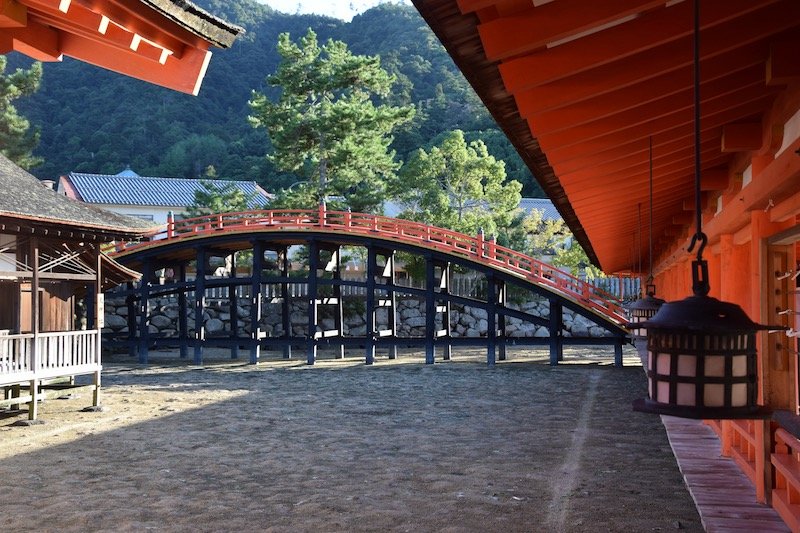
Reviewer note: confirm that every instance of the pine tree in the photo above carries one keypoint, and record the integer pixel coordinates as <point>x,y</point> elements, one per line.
<point>17,140</point>
<point>458,186</point>
<point>328,126</point>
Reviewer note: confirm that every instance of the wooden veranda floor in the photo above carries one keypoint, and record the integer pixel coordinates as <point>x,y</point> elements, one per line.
<point>724,496</point>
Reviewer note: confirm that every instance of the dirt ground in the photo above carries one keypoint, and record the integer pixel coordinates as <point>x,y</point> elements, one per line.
<point>340,446</point>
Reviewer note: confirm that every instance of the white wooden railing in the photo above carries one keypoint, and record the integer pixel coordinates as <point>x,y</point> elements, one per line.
<point>61,353</point>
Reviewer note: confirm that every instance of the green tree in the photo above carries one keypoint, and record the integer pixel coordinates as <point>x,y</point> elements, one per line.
<point>217,196</point>
<point>17,139</point>
<point>326,126</point>
<point>458,186</point>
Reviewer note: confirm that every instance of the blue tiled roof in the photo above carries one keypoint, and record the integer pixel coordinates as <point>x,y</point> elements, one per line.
<point>542,204</point>
<point>128,188</point>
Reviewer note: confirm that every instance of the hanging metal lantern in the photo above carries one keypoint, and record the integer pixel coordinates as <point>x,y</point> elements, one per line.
<point>702,359</point>
<point>644,309</point>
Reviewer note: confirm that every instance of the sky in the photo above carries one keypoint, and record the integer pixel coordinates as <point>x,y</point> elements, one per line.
<point>342,9</point>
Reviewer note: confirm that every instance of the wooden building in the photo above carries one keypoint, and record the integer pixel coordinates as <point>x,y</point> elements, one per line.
<point>50,255</point>
<point>584,89</point>
<point>50,264</point>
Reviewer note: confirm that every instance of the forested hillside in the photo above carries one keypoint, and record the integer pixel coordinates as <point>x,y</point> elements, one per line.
<point>92,120</point>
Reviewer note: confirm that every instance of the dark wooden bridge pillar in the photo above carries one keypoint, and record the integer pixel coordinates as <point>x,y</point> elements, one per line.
<point>130,301</point>
<point>390,279</point>
<point>556,328</point>
<point>284,264</point>
<point>255,302</point>
<point>313,266</point>
<point>502,300</point>
<point>144,310</point>
<point>444,308</point>
<point>372,333</point>
<point>233,300</point>
<point>430,309</point>
<point>491,319</point>
<point>183,313</point>
<point>199,304</point>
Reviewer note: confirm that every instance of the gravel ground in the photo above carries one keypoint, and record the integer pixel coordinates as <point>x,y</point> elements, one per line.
<point>340,446</point>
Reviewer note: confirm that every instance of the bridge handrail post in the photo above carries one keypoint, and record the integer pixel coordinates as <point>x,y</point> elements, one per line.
<point>321,211</point>
<point>348,216</point>
<point>479,243</point>
<point>492,247</point>
<point>170,225</point>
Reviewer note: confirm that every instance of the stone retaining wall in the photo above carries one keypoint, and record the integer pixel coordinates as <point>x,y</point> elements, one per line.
<point>465,321</point>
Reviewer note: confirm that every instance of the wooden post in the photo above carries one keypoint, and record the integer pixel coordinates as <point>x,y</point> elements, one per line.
<point>255,302</point>
<point>144,310</point>
<point>370,306</point>
<point>233,300</point>
<point>313,266</point>
<point>286,308</point>
<point>183,313</point>
<point>444,289</point>
<point>33,408</point>
<point>337,293</point>
<point>491,312</point>
<point>199,305</point>
<point>391,280</point>
<point>763,438</point>
<point>130,301</point>
<point>555,327</point>
<point>98,323</point>
<point>430,310</point>
<point>502,296</point>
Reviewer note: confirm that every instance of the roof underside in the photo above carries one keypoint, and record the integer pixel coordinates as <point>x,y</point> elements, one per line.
<point>582,87</point>
<point>164,42</point>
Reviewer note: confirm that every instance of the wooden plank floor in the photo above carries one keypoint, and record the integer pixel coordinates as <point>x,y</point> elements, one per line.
<point>724,496</point>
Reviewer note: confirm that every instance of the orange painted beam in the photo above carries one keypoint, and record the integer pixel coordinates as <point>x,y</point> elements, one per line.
<point>599,142</point>
<point>536,28</point>
<point>782,66</point>
<point>622,111</point>
<point>89,24</point>
<point>651,119</point>
<point>741,43</point>
<point>138,18</point>
<point>635,184</point>
<point>13,14</point>
<point>742,137</point>
<point>777,182</point>
<point>36,41</point>
<point>181,74</point>
<point>637,149</point>
<point>637,164</point>
<point>647,31</point>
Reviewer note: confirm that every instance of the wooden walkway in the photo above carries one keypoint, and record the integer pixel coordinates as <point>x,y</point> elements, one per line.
<point>724,496</point>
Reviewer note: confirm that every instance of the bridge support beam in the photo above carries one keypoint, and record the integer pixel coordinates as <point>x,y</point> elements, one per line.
<point>255,302</point>
<point>390,279</point>
<point>233,300</point>
<point>286,300</point>
<point>491,318</point>
<point>556,328</point>
<point>130,301</point>
<point>183,316</point>
<point>502,300</point>
<point>372,260</point>
<point>430,310</point>
<point>144,310</point>
<point>444,289</point>
<point>199,305</point>
<point>313,266</point>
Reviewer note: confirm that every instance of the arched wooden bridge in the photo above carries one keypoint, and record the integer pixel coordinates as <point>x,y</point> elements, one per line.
<point>269,234</point>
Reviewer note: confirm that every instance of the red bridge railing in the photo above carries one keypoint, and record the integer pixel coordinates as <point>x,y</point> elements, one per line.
<point>477,248</point>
